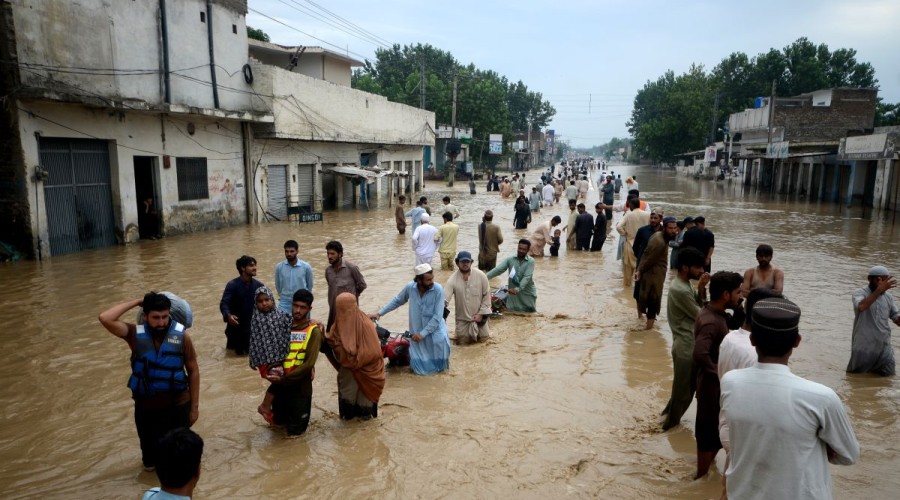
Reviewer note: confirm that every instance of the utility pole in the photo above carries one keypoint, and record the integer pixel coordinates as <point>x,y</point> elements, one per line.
<point>422,86</point>
<point>771,129</point>
<point>452,170</point>
<point>712,129</point>
<point>528,158</point>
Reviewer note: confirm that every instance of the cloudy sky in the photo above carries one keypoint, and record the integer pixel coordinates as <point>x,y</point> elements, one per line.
<point>589,57</point>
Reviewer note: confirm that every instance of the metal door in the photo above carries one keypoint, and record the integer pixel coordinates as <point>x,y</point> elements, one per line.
<point>78,196</point>
<point>277,191</point>
<point>348,192</point>
<point>306,187</point>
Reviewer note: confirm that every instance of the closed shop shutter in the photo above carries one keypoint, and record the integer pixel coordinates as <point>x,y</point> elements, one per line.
<point>306,186</point>
<point>277,198</point>
<point>78,196</point>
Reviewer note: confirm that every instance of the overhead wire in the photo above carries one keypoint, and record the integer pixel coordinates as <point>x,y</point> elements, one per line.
<point>361,35</point>
<point>342,49</point>
<point>349,23</point>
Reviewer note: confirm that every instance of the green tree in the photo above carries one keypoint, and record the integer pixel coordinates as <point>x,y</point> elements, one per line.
<point>887,114</point>
<point>257,34</point>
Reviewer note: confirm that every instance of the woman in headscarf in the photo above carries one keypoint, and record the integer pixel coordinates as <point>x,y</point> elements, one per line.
<point>361,374</point>
<point>270,338</point>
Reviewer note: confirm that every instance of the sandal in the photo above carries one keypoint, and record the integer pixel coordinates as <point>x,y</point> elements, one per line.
<point>266,414</point>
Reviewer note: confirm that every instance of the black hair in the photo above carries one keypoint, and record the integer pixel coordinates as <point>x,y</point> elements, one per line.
<point>634,192</point>
<point>764,250</point>
<point>178,457</point>
<point>755,296</point>
<point>154,301</point>
<point>402,198</point>
<point>447,216</point>
<point>526,242</point>
<point>598,205</point>
<point>244,261</point>
<point>292,244</point>
<point>557,219</point>
<point>721,282</point>
<point>335,245</point>
<point>689,257</point>
<point>580,205</point>
<point>634,203</point>
<point>447,199</point>
<point>303,295</point>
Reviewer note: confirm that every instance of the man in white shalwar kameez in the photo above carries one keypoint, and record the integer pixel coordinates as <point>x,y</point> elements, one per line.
<point>423,241</point>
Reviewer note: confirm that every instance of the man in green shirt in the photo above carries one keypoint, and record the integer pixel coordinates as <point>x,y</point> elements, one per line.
<point>682,306</point>
<point>522,292</point>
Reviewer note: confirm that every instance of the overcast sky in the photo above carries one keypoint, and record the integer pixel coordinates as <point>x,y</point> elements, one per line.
<point>590,57</point>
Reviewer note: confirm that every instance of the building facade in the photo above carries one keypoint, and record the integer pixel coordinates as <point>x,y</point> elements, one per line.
<point>123,120</point>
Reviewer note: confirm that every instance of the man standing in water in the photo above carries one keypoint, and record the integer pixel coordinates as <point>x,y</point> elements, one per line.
<point>341,276</point>
<point>429,351</point>
<point>875,308</point>
<point>520,285</point>
<point>400,214</point>
<point>165,376</point>
<point>489,240</point>
<point>423,241</point>
<point>784,429</point>
<point>180,451</point>
<point>416,214</point>
<point>628,227</point>
<point>446,236</point>
<point>237,304</point>
<point>683,305</point>
<point>472,292</point>
<point>765,275</point>
<point>291,274</point>
<point>709,331</point>
<point>570,226</point>
<point>449,207</point>
<point>702,239</point>
<point>584,228</point>
<point>651,272</point>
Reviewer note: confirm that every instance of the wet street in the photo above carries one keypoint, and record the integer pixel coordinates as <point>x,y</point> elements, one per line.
<point>562,403</point>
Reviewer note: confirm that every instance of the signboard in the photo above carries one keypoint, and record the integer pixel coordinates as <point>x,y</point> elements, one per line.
<point>311,217</point>
<point>868,147</point>
<point>496,144</point>
<point>710,155</point>
<point>470,167</point>
<point>778,150</point>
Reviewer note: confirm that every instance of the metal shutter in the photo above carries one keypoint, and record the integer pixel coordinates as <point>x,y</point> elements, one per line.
<point>277,192</point>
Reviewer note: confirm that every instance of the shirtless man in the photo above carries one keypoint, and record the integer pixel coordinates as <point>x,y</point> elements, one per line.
<point>765,275</point>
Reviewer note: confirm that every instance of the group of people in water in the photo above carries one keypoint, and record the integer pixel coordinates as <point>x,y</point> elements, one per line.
<point>723,325</point>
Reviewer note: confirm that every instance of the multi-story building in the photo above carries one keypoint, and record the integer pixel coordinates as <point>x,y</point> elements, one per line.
<point>111,108</point>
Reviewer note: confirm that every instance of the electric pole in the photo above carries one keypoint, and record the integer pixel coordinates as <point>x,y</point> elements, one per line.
<point>451,175</point>
<point>422,87</point>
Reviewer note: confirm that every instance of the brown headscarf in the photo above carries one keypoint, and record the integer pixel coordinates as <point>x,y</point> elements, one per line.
<point>357,347</point>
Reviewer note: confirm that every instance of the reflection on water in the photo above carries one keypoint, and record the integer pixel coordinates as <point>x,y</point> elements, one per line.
<point>558,403</point>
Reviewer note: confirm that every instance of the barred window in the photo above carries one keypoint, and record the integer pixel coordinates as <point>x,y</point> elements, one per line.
<point>192,182</point>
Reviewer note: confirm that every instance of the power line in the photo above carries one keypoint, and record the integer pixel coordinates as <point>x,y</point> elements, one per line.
<point>342,49</point>
<point>354,32</point>
<point>348,23</point>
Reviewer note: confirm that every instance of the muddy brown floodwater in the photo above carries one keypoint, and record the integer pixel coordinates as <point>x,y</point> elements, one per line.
<point>558,404</point>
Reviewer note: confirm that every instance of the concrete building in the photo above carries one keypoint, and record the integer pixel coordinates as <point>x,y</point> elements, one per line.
<point>329,146</point>
<point>799,155</point>
<point>109,104</point>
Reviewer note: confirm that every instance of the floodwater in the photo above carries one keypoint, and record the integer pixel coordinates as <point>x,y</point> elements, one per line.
<point>560,403</point>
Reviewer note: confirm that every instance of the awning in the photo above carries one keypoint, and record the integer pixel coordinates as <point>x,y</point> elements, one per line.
<point>353,172</point>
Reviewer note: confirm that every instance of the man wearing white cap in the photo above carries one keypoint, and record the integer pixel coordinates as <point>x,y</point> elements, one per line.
<point>429,351</point>
<point>871,350</point>
<point>423,241</point>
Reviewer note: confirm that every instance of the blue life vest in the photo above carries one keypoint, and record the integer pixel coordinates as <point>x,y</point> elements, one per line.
<point>158,372</point>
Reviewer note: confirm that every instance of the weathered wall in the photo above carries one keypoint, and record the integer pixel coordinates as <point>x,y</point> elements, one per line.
<point>850,110</point>
<point>96,50</point>
<point>309,64</point>
<point>292,153</point>
<point>15,218</point>
<point>139,134</point>
<point>310,109</point>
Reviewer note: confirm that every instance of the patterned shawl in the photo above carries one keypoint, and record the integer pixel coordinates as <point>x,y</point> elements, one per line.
<point>270,333</point>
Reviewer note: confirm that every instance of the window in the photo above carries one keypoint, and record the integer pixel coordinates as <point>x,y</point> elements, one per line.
<point>192,183</point>
<point>234,28</point>
<point>202,17</point>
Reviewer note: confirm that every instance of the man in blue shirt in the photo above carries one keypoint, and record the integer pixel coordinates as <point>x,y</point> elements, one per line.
<point>179,468</point>
<point>416,214</point>
<point>291,274</point>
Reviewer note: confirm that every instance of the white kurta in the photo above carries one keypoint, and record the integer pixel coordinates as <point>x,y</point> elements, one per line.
<point>780,425</point>
<point>735,352</point>
<point>423,243</point>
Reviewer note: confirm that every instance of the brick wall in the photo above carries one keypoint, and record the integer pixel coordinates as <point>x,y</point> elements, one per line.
<point>850,110</point>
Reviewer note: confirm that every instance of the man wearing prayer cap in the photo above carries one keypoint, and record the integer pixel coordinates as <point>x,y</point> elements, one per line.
<point>875,308</point>
<point>423,241</point>
<point>783,429</point>
<point>429,351</point>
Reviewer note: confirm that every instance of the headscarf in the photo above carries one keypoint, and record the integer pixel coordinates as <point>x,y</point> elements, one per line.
<point>270,333</point>
<point>357,347</point>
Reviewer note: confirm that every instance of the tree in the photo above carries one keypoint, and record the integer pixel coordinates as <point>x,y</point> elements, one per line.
<point>257,34</point>
<point>887,114</point>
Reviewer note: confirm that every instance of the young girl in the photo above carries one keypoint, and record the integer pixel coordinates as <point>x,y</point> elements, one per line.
<point>554,245</point>
<point>270,337</point>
